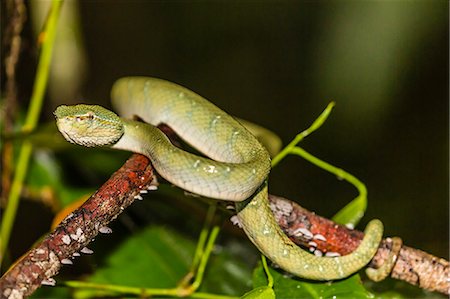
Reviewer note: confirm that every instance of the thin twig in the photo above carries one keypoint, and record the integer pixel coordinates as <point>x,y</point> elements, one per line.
<point>16,16</point>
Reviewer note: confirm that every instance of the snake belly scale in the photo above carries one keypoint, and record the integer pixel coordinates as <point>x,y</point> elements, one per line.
<point>236,170</point>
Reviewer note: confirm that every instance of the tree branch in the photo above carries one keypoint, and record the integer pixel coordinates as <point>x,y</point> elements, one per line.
<point>323,236</point>
<point>77,230</point>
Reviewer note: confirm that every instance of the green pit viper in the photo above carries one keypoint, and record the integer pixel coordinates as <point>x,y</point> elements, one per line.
<point>237,170</point>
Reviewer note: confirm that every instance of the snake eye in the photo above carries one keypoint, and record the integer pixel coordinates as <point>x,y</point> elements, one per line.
<point>88,116</point>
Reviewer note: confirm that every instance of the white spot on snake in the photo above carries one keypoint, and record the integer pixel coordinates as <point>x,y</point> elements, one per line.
<point>320,268</point>
<point>228,169</point>
<point>66,239</point>
<point>285,253</point>
<point>254,171</point>
<point>181,95</point>
<point>196,163</point>
<point>210,169</point>
<point>266,230</point>
<point>215,120</point>
<point>305,266</point>
<point>75,254</point>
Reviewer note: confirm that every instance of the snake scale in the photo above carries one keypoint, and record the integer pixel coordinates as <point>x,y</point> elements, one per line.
<point>236,170</point>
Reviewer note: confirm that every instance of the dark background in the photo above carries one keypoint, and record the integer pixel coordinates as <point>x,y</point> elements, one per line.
<point>279,64</point>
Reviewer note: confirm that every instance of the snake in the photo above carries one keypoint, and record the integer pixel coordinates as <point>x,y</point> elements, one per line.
<point>386,268</point>
<point>233,165</point>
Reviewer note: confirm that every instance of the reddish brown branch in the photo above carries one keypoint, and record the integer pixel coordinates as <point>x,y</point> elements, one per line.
<point>308,229</point>
<point>77,230</point>
<point>40,264</point>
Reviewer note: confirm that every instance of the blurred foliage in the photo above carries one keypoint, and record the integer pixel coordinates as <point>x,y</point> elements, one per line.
<point>286,286</point>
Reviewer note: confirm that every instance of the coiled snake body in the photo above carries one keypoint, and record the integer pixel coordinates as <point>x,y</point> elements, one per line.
<point>237,170</point>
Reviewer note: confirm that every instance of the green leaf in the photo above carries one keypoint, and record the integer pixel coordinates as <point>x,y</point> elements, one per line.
<point>154,258</point>
<point>227,273</point>
<point>352,212</point>
<point>159,258</point>
<point>397,289</point>
<point>260,293</point>
<point>286,286</point>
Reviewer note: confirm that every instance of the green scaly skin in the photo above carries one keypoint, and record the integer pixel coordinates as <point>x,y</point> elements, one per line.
<point>386,268</point>
<point>237,171</point>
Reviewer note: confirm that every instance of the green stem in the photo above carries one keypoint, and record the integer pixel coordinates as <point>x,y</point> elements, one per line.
<point>200,249</point>
<point>266,269</point>
<point>43,69</point>
<point>143,292</point>
<point>354,210</point>
<point>31,120</point>
<point>203,236</point>
<point>14,195</point>
<point>204,260</point>
<point>315,125</point>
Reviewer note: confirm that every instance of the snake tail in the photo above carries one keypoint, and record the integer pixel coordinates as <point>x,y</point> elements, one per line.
<point>386,268</point>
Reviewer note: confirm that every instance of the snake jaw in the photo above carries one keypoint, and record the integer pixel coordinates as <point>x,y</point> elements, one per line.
<point>89,125</point>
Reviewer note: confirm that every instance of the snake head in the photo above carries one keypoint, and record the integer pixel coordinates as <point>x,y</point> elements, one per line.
<point>89,125</point>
